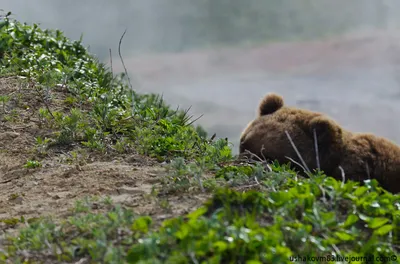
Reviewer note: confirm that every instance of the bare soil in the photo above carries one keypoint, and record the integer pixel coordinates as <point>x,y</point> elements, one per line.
<point>51,190</point>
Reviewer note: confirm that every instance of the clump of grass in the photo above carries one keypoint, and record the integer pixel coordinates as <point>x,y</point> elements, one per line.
<point>47,60</point>
<point>4,100</point>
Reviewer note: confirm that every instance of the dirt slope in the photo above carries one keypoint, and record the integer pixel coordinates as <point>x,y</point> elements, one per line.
<point>66,176</point>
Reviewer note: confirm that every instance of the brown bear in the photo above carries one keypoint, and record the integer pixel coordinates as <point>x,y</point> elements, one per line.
<point>361,156</point>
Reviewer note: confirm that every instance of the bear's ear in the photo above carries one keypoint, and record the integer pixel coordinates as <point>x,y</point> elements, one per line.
<point>327,131</point>
<point>270,104</point>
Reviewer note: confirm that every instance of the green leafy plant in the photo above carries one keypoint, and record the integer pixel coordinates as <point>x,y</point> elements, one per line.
<point>41,145</point>
<point>31,164</point>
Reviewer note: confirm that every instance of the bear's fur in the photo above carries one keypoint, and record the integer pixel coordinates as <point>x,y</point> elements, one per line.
<point>361,155</point>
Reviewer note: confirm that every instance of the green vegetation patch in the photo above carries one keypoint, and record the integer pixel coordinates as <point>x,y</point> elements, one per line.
<point>318,217</point>
<point>101,111</point>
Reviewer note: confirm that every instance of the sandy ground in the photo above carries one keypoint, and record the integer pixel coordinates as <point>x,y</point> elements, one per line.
<point>355,79</point>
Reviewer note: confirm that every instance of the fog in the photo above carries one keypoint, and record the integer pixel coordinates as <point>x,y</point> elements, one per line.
<point>220,57</point>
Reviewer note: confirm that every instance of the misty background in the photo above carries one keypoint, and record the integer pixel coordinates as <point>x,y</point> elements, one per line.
<point>222,56</point>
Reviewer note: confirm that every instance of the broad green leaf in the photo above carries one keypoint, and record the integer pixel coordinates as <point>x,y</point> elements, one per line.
<point>253,262</point>
<point>383,230</point>
<point>197,213</point>
<point>344,236</point>
<point>142,224</point>
<point>220,246</point>
<point>351,219</point>
<point>183,232</point>
<point>377,222</point>
<point>360,191</point>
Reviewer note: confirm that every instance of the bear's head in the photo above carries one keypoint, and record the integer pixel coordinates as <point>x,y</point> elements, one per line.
<point>278,131</point>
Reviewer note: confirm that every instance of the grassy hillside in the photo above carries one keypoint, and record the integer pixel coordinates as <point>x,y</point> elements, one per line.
<point>73,131</point>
